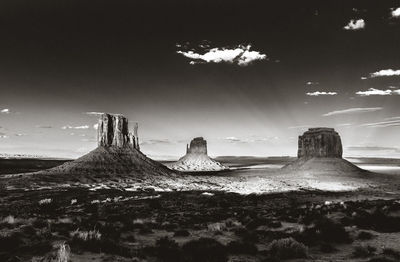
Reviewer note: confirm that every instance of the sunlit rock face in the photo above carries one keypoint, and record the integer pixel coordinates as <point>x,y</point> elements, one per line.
<point>196,159</point>
<point>113,131</point>
<point>320,142</point>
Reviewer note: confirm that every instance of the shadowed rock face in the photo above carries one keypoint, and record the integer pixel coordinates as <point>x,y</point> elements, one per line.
<point>197,146</point>
<point>320,142</point>
<point>113,131</point>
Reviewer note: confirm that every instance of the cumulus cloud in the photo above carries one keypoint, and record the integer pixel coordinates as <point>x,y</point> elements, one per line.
<point>379,92</point>
<point>321,93</point>
<point>5,111</point>
<point>396,12</point>
<point>355,24</point>
<point>385,72</point>
<point>353,111</point>
<point>240,55</point>
<point>75,127</point>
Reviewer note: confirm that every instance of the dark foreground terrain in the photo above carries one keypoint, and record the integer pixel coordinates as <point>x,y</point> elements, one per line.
<point>114,225</point>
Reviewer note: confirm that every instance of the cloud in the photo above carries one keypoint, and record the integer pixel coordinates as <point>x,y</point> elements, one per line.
<point>3,135</point>
<point>378,92</point>
<point>372,148</point>
<point>344,124</point>
<point>299,127</point>
<point>155,142</point>
<point>96,126</point>
<point>240,55</point>
<point>396,12</point>
<point>321,93</point>
<point>353,111</point>
<point>355,24</point>
<point>309,83</point>
<point>388,123</point>
<point>75,127</point>
<point>94,113</point>
<point>385,72</point>
<point>5,111</point>
<point>43,126</point>
<point>251,139</point>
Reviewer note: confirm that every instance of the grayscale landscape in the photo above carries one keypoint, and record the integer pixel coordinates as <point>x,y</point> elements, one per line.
<point>199,131</point>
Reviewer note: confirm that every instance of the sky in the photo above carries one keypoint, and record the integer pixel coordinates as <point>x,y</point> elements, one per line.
<point>249,76</point>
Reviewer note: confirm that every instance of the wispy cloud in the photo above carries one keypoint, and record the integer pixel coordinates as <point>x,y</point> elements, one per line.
<point>388,123</point>
<point>310,83</point>
<point>251,139</point>
<point>385,72</point>
<point>378,92</point>
<point>94,113</point>
<point>372,148</point>
<point>396,12</point>
<point>155,142</point>
<point>299,127</point>
<point>75,127</point>
<point>3,135</point>
<point>355,24</point>
<point>5,111</point>
<point>44,126</point>
<point>344,124</point>
<point>321,93</point>
<point>240,55</point>
<point>353,111</point>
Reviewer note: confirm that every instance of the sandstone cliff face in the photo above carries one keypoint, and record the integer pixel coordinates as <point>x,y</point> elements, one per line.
<point>320,142</point>
<point>113,131</point>
<point>197,146</point>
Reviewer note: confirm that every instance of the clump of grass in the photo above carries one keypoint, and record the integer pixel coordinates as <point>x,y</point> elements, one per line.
<point>287,248</point>
<point>63,253</point>
<point>204,250</point>
<point>45,201</point>
<point>86,235</point>
<point>241,247</point>
<point>167,250</point>
<point>364,235</point>
<point>363,251</point>
<point>9,220</point>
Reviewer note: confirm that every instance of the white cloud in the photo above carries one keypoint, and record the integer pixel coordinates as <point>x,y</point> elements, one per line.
<point>309,83</point>
<point>396,12</point>
<point>5,111</point>
<point>379,92</point>
<point>321,93</point>
<point>75,127</point>
<point>241,55</point>
<point>353,111</point>
<point>344,124</point>
<point>94,113</point>
<point>385,72</point>
<point>364,78</point>
<point>355,24</point>
<point>299,127</point>
<point>96,126</point>
<point>388,123</point>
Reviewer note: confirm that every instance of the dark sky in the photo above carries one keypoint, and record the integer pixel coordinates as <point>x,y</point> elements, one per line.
<point>60,59</point>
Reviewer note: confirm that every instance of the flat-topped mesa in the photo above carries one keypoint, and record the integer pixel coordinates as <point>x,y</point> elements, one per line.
<point>113,131</point>
<point>197,146</point>
<point>320,142</point>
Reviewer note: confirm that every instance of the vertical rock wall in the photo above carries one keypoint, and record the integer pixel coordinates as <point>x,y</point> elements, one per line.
<point>320,142</point>
<point>197,146</point>
<point>113,131</point>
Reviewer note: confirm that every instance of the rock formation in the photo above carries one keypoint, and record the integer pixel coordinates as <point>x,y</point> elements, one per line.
<point>113,131</point>
<point>320,142</point>
<point>117,156</point>
<point>196,158</point>
<point>320,151</point>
